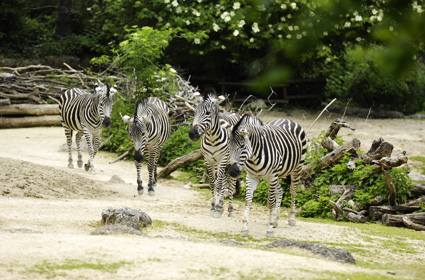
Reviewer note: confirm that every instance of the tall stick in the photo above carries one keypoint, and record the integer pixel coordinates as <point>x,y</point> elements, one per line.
<point>320,114</point>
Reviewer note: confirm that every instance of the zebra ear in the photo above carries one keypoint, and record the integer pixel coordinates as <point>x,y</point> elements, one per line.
<point>113,89</point>
<point>226,125</point>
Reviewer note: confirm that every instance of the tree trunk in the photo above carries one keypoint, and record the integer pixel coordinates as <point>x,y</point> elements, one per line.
<point>376,212</point>
<point>30,121</point>
<point>4,101</point>
<point>418,190</point>
<point>29,109</point>
<point>397,220</point>
<point>64,18</point>
<point>180,162</point>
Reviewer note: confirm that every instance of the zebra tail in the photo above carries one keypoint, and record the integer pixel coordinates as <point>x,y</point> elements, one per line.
<point>237,187</point>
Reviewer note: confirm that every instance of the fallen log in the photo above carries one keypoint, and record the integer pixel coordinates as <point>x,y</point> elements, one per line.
<point>30,109</point>
<point>397,220</point>
<point>337,206</point>
<point>378,150</point>
<point>4,101</point>
<point>418,190</point>
<point>331,158</point>
<point>180,162</point>
<point>47,120</point>
<point>356,218</point>
<point>335,127</point>
<point>410,224</point>
<point>377,212</point>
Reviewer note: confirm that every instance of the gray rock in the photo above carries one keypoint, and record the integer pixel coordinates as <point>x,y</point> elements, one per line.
<point>126,216</point>
<point>339,255</point>
<point>116,179</point>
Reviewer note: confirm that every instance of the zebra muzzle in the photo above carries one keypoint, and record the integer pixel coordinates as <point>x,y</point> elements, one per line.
<point>234,171</point>
<point>194,134</point>
<point>106,122</point>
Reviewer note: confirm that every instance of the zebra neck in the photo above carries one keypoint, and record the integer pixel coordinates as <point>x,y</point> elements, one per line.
<point>93,108</point>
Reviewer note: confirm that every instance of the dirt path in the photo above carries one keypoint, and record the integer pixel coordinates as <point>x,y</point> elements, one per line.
<point>48,212</point>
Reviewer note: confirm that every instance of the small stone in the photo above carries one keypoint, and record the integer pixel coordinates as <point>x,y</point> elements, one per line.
<point>116,179</point>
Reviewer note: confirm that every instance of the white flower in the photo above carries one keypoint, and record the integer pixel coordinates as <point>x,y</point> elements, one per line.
<point>175,3</point>
<point>199,1</point>
<point>196,13</point>
<point>226,17</point>
<point>374,11</point>
<point>160,19</point>
<point>216,27</point>
<point>255,28</point>
<point>379,18</point>
<point>391,28</point>
<point>283,19</point>
<point>223,47</point>
<point>166,1</point>
<point>241,23</point>
<point>299,36</point>
<point>325,33</point>
<point>358,39</point>
<point>289,16</point>
<point>283,6</point>
<point>293,5</point>
<point>280,36</point>
<point>347,24</point>
<point>187,22</point>
<point>235,33</point>
<point>251,40</point>
<point>296,27</point>
<point>172,70</point>
<point>178,10</point>
<point>289,36</point>
<point>236,5</point>
<point>197,41</point>
<point>201,52</point>
<point>359,18</point>
<point>304,33</point>
<point>291,28</point>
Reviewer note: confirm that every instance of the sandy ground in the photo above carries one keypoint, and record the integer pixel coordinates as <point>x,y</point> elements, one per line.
<point>48,212</point>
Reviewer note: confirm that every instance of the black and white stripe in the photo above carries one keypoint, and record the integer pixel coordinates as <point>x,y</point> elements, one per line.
<point>149,129</point>
<point>86,113</point>
<point>210,122</point>
<point>268,151</point>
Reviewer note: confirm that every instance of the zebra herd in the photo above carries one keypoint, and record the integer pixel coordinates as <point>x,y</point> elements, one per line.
<point>230,143</point>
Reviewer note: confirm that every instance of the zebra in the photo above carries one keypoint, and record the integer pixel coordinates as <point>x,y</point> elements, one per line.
<point>214,147</point>
<point>86,113</point>
<point>149,129</point>
<point>269,151</point>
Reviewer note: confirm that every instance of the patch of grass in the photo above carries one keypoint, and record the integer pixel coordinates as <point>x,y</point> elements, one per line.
<point>358,276</point>
<point>52,270</point>
<point>185,176</point>
<point>95,224</point>
<point>421,166</point>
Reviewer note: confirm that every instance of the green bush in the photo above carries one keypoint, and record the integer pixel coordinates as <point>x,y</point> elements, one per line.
<point>359,78</point>
<point>179,145</point>
<point>314,200</point>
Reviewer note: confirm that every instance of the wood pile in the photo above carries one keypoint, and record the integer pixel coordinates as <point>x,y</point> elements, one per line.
<point>25,93</point>
<point>379,155</point>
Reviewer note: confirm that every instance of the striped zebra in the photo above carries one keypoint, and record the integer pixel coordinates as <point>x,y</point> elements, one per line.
<point>149,129</point>
<point>214,147</point>
<point>269,151</point>
<point>86,113</point>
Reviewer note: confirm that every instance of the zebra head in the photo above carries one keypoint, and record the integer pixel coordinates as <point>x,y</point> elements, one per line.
<point>105,102</point>
<point>138,131</point>
<point>206,112</point>
<point>240,147</point>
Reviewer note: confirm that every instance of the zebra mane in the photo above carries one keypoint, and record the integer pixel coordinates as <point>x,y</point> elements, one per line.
<point>209,93</point>
<point>247,118</point>
<point>140,103</point>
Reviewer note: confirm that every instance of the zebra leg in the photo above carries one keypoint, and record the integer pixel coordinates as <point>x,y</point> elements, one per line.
<point>295,179</point>
<point>68,134</point>
<point>251,186</point>
<point>78,141</point>
<point>151,168</point>
<point>232,186</point>
<point>89,166</point>
<point>139,179</point>
<point>220,186</point>
<point>210,174</point>
<point>273,202</point>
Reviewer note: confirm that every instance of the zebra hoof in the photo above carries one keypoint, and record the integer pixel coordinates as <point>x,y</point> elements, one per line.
<point>92,172</point>
<point>232,214</point>
<point>70,166</point>
<point>151,192</point>
<point>140,192</point>
<point>216,214</point>
<point>269,233</point>
<point>292,222</point>
<point>86,167</point>
<point>80,164</point>
<point>244,233</point>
